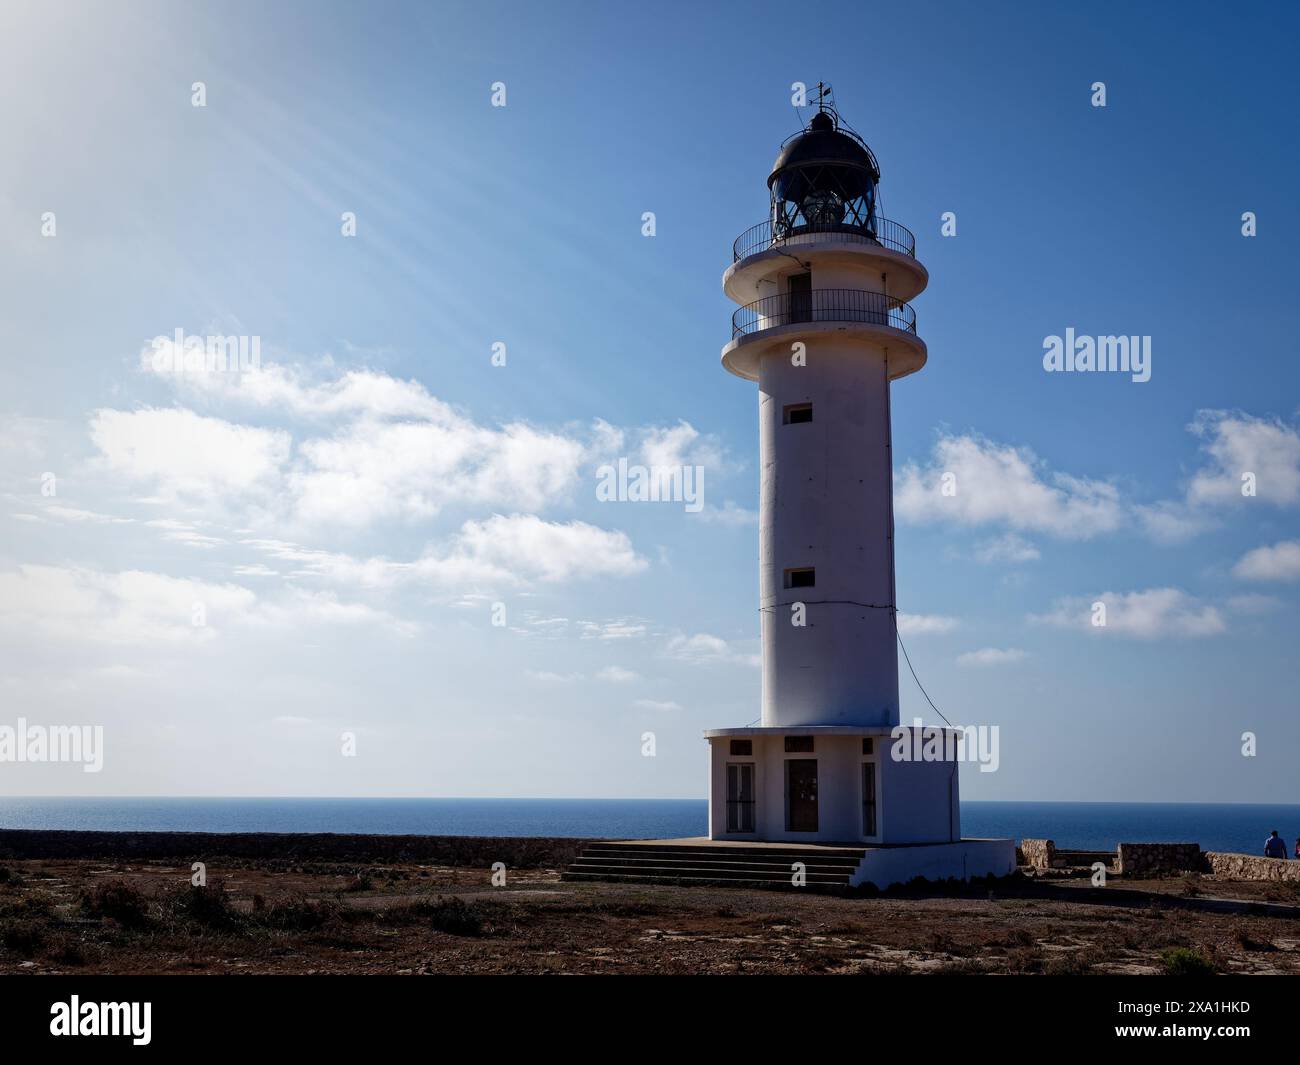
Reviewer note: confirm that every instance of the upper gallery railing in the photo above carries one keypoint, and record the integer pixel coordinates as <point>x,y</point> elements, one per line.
<point>881,231</point>
<point>823,305</point>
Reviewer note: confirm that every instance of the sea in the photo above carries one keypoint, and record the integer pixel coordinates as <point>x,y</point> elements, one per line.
<point>1238,827</point>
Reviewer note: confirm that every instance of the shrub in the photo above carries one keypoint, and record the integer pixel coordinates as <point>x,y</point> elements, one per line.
<point>1019,937</point>
<point>118,901</point>
<point>23,937</point>
<point>1025,960</point>
<point>1076,963</point>
<point>1249,942</point>
<point>454,916</point>
<point>1184,961</point>
<point>208,906</point>
<point>67,951</point>
<point>298,915</point>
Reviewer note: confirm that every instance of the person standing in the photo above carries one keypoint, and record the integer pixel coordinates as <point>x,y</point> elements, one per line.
<point>1274,847</point>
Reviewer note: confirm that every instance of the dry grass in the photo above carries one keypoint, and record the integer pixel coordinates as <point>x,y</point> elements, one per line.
<point>92,916</point>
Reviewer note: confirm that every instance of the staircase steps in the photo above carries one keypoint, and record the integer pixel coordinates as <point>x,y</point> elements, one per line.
<point>737,865</point>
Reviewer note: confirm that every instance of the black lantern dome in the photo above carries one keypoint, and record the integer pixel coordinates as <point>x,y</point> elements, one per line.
<point>824,179</point>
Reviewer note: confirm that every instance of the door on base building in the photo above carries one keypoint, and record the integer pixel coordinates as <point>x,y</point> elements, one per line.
<point>801,795</point>
<point>740,796</point>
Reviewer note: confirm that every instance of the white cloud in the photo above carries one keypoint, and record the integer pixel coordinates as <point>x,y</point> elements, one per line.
<point>1002,485</point>
<point>991,656</point>
<point>394,450</point>
<point>25,441</point>
<point>374,470</point>
<point>617,675</point>
<point>1280,562</point>
<point>924,624</point>
<point>298,389</point>
<point>615,629</point>
<point>300,607</point>
<point>73,514</point>
<point>1253,604</point>
<point>1171,521</point>
<point>184,532</point>
<point>185,455</point>
<point>655,704</point>
<point>1147,614</point>
<point>136,607</point>
<point>704,648</point>
<point>730,514</point>
<point>1238,444</point>
<point>518,549</point>
<point>526,546</point>
<point>1006,548</point>
<point>680,445</point>
<point>120,608</point>
<point>1235,445</point>
<point>255,570</point>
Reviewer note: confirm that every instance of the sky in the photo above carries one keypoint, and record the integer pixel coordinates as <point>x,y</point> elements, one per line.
<point>389,531</point>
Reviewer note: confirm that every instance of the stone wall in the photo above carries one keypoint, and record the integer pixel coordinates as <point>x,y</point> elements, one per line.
<point>1067,858</point>
<point>1157,859</point>
<point>1249,867</point>
<point>1037,853</point>
<point>291,848</point>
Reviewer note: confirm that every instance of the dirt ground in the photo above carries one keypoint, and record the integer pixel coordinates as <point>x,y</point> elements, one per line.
<point>99,917</point>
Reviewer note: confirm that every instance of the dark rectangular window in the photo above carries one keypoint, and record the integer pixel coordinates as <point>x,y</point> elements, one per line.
<point>798,745</point>
<point>803,577</point>
<point>867,746</point>
<point>798,413</point>
<point>742,747</point>
<point>868,798</point>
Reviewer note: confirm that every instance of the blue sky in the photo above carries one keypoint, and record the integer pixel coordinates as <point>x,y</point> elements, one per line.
<point>348,515</point>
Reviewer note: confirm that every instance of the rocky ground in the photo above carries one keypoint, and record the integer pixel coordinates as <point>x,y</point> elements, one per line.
<point>93,916</point>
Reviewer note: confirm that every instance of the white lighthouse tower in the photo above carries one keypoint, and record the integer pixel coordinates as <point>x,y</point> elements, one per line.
<point>825,325</point>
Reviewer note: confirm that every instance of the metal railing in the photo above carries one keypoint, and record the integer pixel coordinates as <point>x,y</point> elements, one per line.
<point>823,305</point>
<point>882,232</point>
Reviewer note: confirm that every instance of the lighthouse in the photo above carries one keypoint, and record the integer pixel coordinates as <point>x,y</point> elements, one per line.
<point>824,327</point>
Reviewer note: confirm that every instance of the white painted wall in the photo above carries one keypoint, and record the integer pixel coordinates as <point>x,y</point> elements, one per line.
<point>825,502</point>
<point>924,801</point>
<point>916,802</point>
<point>947,861</point>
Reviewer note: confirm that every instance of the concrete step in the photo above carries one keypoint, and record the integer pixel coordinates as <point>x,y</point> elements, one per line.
<point>711,872</point>
<point>846,854</point>
<point>673,881</point>
<point>782,868</point>
<point>737,865</point>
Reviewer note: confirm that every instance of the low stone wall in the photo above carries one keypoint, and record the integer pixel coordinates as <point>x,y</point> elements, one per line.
<point>1249,867</point>
<point>1037,853</point>
<point>1159,859</point>
<point>1065,858</point>
<point>291,848</point>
